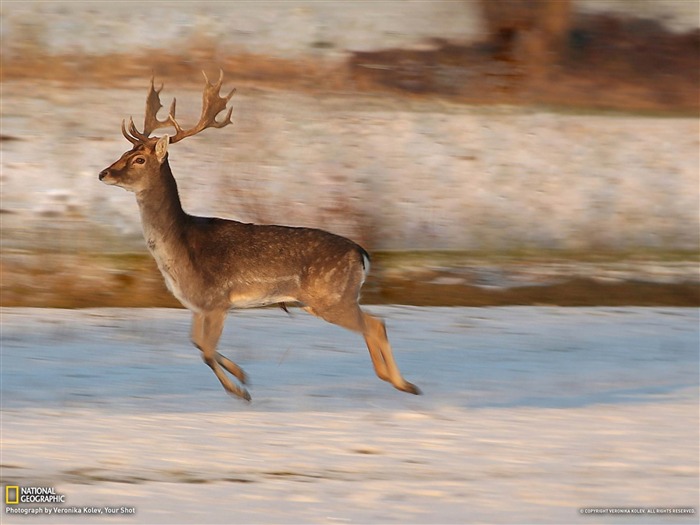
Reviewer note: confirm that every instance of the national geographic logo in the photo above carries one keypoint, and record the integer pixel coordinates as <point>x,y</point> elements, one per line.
<point>26,501</point>
<point>16,495</point>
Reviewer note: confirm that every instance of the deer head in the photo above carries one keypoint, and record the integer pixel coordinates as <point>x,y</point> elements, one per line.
<point>137,168</point>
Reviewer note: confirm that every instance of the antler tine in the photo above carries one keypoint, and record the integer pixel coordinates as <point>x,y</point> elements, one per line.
<point>173,122</point>
<point>140,137</point>
<point>212,104</point>
<point>219,83</point>
<point>128,137</point>
<point>171,113</point>
<point>227,120</point>
<point>132,134</point>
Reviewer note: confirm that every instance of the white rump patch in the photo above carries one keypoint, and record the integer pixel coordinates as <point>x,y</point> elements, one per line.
<point>365,266</point>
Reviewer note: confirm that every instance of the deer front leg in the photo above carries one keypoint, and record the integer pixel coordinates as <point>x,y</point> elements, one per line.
<point>206,331</point>
<point>230,366</point>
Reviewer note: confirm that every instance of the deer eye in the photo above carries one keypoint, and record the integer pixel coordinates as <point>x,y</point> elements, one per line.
<point>139,160</point>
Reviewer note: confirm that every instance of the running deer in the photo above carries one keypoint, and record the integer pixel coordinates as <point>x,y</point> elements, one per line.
<point>212,265</point>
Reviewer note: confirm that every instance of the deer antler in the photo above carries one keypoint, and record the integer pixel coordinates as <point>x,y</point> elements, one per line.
<point>151,122</point>
<point>212,105</point>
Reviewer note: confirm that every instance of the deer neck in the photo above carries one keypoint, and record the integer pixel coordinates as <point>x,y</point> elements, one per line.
<point>162,216</point>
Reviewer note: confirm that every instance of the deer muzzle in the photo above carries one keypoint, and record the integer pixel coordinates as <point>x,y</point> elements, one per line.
<point>107,177</point>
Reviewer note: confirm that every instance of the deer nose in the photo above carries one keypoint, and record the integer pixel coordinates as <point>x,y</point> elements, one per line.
<point>103,174</point>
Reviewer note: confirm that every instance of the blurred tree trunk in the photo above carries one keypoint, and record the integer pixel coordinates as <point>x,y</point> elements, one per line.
<point>530,33</point>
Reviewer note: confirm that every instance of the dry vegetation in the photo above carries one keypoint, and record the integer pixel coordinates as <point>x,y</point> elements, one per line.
<point>436,279</point>
<point>602,61</point>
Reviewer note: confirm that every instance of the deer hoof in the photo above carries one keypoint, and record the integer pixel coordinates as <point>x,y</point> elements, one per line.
<point>410,388</point>
<point>241,393</point>
<point>244,395</point>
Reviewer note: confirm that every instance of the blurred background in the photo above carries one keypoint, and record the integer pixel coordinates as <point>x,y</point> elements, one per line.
<point>486,152</point>
<point>533,152</point>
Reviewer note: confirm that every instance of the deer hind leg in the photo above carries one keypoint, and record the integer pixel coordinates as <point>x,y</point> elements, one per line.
<point>206,331</point>
<point>379,349</point>
<point>353,318</point>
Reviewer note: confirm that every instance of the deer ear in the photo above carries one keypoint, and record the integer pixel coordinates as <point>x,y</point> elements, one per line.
<point>162,148</point>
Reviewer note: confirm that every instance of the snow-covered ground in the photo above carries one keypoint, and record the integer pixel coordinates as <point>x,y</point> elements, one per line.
<point>396,175</point>
<point>528,415</point>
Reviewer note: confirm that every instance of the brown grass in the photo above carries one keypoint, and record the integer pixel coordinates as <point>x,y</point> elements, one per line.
<point>82,281</point>
<point>117,70</point>
<point>573,292</point>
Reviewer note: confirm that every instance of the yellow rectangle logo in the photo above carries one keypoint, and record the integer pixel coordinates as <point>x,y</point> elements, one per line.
<point>11,499</point>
